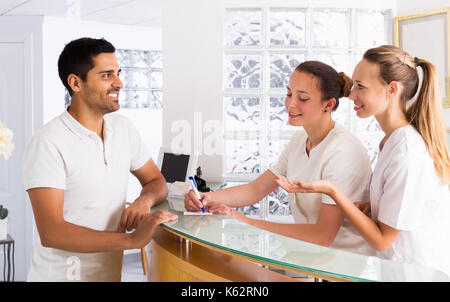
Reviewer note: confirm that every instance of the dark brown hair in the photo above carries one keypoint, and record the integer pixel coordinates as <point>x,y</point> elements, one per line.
<point>331,83</point>
<point>77,58</point>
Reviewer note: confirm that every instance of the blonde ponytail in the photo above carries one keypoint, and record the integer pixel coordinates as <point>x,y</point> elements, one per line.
<point>425,114</point>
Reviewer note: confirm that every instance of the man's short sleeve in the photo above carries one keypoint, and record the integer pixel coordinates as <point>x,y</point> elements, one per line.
<point>139,151</point>
<point>43,165</point>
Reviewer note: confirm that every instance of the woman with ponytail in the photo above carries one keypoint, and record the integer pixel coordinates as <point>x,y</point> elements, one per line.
<point>323,149</point>
<point>409,195</point>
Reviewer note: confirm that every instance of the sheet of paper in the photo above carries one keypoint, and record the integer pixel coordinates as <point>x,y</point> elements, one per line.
<point>197,213</point>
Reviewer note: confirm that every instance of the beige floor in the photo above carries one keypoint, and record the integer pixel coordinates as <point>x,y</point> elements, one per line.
<point>132,268</point>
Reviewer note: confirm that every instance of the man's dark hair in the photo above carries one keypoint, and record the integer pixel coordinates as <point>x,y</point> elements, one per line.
<point>77,58</point>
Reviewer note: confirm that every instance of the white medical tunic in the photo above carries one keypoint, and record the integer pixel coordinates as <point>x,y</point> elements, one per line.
<point>407,194</point>
<point>340,158</point>
<point>94,176</point>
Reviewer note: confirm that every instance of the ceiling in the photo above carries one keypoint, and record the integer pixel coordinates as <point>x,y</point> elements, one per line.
<point>128,12</point>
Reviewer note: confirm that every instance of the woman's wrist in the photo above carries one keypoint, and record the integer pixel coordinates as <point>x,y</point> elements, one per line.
<point>332,191</point>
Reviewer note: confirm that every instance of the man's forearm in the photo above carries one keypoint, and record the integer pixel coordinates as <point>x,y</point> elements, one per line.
<point>154,192</point>
<point>74,238</point>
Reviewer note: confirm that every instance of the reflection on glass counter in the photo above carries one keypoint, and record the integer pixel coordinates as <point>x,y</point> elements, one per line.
<point>230,235</point>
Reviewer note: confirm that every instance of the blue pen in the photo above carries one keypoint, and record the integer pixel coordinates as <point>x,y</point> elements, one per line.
<point>194,188</point>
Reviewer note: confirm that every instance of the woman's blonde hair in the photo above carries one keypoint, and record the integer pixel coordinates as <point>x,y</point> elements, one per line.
<point>425,114</point>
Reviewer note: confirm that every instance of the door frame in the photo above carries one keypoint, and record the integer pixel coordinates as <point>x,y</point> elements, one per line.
<point>31,120</point>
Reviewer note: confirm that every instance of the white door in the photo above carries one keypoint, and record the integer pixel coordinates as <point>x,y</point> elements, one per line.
<point>15,109</point>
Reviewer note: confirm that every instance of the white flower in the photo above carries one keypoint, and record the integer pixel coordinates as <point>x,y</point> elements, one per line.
<point>6,145</point>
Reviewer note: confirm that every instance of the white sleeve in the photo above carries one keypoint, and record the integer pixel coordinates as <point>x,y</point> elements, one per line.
<point>350,170</point>
<point>43,165</point>
<point>280,167</point>
<point>405,193</point>
<point>139,151</point>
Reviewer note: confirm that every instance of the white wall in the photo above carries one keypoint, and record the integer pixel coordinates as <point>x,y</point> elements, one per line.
<point>31,26</point>
<point>192,46</point>
<point>405,7</point>
<point>408,7</point>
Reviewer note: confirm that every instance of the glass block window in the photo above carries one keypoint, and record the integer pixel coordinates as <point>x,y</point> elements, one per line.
<point>243,28</point>
<point>262,47</point>
<point>142,78</point>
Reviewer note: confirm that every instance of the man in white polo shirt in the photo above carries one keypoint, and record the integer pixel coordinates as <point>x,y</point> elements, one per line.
<point>76,170</point>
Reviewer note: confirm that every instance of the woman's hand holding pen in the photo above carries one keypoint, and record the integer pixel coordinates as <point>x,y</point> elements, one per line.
<point>191,202</point>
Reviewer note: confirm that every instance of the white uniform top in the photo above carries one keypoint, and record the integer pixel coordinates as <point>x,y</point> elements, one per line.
<point>340,158</point>
<point>407,194</point>
<point>94,176</point>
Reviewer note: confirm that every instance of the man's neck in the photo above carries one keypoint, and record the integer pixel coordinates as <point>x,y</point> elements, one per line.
<point>87,118</point>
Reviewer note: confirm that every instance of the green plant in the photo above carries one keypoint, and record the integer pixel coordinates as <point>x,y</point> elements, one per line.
<point>3,212</point>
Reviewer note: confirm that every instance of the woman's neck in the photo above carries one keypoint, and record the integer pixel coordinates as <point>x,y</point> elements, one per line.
<point>317,133</point>
<point>391,120</point>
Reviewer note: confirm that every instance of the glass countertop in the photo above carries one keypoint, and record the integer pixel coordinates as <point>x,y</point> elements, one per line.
<point>234,236</point>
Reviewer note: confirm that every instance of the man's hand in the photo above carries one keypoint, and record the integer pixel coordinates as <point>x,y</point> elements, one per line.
<point>132,215</point>
<point>191,202</point>
<point>146,227</point>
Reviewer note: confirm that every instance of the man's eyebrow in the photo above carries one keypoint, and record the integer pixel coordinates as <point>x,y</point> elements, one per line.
<point>109,71</point>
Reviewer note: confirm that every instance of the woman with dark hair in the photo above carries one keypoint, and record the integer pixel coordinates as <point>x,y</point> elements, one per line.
<point>409,195</point>
<point>322,149</point>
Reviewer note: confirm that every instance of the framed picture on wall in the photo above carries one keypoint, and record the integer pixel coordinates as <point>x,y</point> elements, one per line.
<point>427,36</point>
<point>448,138</point>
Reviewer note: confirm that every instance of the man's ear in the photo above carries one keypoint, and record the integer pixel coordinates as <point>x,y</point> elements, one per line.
<point>74,82</point>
